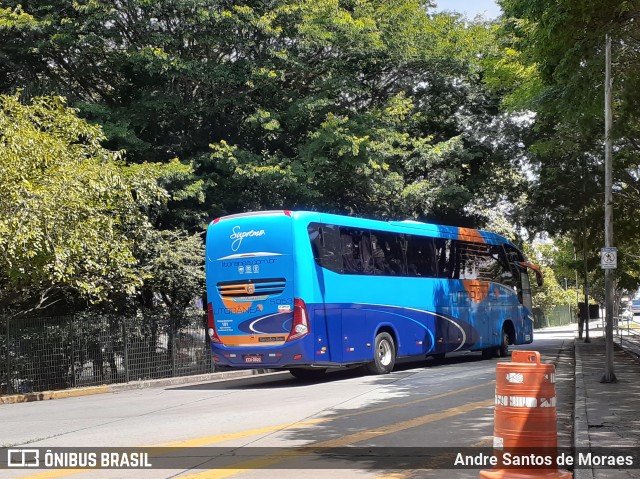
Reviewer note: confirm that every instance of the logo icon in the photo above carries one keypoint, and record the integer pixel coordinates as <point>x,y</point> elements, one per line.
<point>251,289</point>
<point>23,458</point>
<point>237,236</point>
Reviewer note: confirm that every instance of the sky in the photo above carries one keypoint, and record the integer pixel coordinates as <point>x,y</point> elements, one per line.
<point>488,8</point>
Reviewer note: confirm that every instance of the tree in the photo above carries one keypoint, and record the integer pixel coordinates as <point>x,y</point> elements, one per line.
<point>552,63</point>
<point>71,211</point>
<point>366,107</point>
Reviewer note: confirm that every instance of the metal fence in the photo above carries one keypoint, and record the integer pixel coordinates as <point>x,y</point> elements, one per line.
<point>52,353</point>
<point>558,316</point>
<point>628,331</point>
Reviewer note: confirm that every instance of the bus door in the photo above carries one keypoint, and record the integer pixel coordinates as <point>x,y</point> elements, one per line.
<point>250,279</point>
<point>527,299</point>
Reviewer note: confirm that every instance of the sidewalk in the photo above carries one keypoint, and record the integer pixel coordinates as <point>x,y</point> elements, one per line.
<point>606,415</point>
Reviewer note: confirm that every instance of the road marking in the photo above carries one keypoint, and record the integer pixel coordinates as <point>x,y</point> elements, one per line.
<point>350,439</point>
<point>411,403</point>
<point>196,442</point>
<point>207,440</point>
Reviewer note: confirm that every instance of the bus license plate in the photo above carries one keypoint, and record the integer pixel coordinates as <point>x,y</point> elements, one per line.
<point>253,359</point>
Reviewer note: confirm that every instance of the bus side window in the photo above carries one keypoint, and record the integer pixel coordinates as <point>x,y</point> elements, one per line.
<point>446,254</point>
<point>356,251</point>
<point>378,254</point>
<point>513,255</point>
<point>388,253</point>
<point>422,259</point>
<point>505,273</point>
<point>325,242</point>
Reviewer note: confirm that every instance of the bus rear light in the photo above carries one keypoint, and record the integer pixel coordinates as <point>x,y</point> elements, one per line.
<point>300,326</point>
<point>275,355</point>
<point>287,212</point>
<point>297,357</point>
<point>216,359</point>
<point>213,334</point>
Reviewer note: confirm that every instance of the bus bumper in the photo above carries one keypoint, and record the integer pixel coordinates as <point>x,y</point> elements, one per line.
<point>249,358</point>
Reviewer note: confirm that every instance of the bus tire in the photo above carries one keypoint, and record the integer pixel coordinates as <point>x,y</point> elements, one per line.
<point>503,349</point>
<point>488,353</point>
<point>384,355</point>
<point>307,374</point>
<point>437,357</point>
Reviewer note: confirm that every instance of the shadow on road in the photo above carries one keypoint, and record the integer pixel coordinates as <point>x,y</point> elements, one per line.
<point>285,380</point>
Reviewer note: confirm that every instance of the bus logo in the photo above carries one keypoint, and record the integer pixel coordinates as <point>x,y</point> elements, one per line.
<point>237,236</point>
<point>23,458</point>
<point>251,289</point>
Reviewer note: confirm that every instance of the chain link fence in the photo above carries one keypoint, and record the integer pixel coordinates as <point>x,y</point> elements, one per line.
<point>53,353</point>
<point>558,316</point>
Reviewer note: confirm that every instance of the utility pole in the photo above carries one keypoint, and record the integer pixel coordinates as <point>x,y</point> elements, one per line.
<point>608,376</point>
<point>580,319</point>
<point>585,316</point>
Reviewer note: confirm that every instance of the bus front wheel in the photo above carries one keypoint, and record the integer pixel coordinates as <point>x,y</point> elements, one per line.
<point>384,355</point>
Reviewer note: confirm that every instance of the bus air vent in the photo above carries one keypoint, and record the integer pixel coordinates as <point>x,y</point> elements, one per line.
<point>253,288</point>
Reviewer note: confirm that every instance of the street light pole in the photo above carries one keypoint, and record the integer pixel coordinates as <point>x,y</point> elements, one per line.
<point>608,376</point>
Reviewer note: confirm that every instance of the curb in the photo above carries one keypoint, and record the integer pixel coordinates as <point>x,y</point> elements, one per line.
<point>133,385</point>
<point>581,437</point>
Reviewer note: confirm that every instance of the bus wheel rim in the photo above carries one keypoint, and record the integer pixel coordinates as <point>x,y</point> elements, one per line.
<point>384,353</point>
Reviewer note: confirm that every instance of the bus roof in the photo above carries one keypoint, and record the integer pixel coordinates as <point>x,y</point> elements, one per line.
<point>405,226</point>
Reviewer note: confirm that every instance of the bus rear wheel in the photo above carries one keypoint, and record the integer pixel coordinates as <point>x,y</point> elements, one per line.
<point>437,357</point>
<point>489,353</point>
<point>503,349</point>
<point>307,374</point>
<point>384,355</point>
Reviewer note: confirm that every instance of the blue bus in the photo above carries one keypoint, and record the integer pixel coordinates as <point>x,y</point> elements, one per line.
<point>307,291</point>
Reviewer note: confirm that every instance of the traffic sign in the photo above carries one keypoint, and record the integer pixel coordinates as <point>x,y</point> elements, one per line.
<point>609,258</point>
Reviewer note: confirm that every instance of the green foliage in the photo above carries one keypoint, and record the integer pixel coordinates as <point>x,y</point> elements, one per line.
<point>174,265</point>
<point>16,18</point>
<point>366,107</point>
<point>556,266</point>
<point>558,74</point>
<point>71,211</point>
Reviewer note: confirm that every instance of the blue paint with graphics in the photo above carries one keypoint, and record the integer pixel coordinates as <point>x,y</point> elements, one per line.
<point>257,263</point>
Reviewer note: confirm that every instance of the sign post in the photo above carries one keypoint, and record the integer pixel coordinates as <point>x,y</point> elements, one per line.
<point>609,258</point>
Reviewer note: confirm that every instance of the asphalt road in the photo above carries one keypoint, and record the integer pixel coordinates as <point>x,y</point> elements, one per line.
<point>424,404</point>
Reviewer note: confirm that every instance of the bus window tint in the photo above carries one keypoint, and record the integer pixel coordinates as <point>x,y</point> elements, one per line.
<point>513,254</point>
<point>482,262</point>
<point>505,270</point>
<point>388,253</point>
<point>446,258</point>
<point>370,252</point>
<point>475,263</point>
<point>356,251</point>
<point>421,257</point>
<point>325,242</point>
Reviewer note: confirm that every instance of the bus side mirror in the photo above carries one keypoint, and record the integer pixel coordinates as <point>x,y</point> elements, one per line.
<point>539,278</point>
<point>536,270</point>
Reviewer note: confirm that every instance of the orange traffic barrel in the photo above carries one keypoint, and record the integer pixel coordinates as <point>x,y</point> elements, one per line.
<point>525,438</point>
